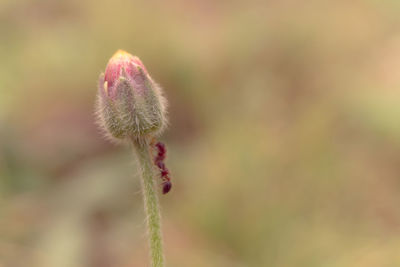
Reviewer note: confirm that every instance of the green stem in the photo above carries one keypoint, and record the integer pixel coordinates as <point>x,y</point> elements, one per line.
<point>151,205</point>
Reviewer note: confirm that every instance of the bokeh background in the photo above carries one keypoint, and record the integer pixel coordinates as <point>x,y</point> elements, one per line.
<point>284,141</point>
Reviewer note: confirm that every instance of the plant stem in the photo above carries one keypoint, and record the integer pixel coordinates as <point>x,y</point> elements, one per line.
<point>151,205</point>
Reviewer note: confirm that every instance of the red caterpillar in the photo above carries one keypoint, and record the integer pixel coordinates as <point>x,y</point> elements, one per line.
<point>159,162</point>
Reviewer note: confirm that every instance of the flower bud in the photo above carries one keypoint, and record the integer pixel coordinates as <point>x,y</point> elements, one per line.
<point>130,103</point>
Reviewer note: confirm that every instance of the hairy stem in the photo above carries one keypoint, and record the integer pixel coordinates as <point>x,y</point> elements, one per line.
<point>151,205</point>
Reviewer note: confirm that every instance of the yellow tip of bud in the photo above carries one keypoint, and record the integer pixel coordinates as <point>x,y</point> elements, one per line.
<point>121,53</point>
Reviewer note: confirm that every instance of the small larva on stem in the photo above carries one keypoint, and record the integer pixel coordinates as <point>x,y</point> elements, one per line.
<point>164,172</point>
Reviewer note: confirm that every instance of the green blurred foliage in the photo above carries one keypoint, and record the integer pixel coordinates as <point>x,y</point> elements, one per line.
<point>284,144</point>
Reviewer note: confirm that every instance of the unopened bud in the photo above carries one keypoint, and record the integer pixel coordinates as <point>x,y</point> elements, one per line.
<point>130,103</point>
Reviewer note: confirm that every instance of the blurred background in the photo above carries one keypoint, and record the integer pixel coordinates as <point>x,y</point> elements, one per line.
<point>284,143</point>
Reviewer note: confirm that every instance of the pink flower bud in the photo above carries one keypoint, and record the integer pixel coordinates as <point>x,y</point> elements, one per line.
<point>130,102</point>
<point>134,69</point>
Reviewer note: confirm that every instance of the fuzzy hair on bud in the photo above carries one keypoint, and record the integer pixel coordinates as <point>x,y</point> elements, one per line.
<point>130,103</point>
